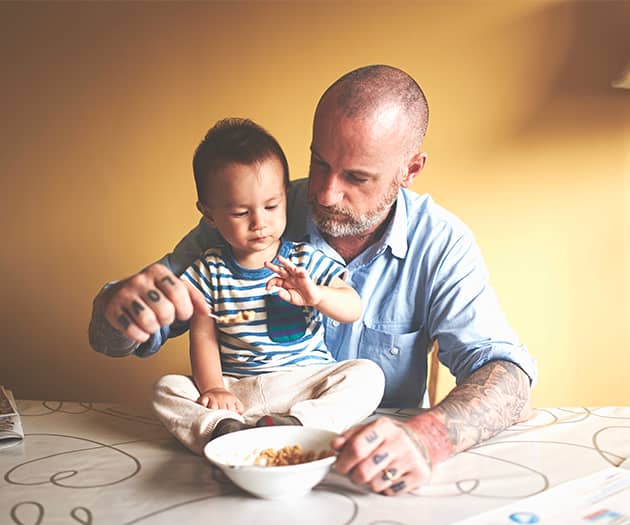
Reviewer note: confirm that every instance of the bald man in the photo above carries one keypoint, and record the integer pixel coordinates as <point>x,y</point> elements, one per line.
<point>416,266</point>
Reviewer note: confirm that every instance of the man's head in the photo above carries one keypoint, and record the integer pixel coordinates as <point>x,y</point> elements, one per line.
<point>242,177</point>
<point>367,138</point>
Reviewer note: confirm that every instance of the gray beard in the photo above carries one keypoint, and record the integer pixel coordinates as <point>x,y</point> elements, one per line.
<point>352,226</point>
<point>348,224</point>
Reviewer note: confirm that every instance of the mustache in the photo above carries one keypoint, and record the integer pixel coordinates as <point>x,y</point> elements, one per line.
<point>330,210</point>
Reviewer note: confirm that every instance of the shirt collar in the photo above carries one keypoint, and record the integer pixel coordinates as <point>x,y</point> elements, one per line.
<point>395,235</point>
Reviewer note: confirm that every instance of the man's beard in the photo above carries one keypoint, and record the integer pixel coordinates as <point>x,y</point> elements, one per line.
<point>341,222</point>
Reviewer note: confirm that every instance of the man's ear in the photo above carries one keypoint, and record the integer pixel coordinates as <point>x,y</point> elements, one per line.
<point>414,167</point>
<point>207,214</point>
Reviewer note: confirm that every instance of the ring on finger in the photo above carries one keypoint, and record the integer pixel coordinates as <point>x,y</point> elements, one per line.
<point>389,474</point>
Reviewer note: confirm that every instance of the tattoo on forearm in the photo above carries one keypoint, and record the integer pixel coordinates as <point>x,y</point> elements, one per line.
<point>420,445</point>
<point>153,295</point>
<point>168,280</point>
<point>136,307</point>
<point>434,438</point>
<point>488,401</point>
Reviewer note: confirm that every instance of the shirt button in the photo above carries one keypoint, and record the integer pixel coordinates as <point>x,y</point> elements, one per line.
<point>394,351</point>
<point>334,323</point>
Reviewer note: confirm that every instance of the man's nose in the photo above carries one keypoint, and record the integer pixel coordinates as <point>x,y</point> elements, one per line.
<point>329,192</point>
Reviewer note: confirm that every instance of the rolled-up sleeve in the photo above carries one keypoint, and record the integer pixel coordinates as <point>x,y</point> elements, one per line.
<point>465,315</point>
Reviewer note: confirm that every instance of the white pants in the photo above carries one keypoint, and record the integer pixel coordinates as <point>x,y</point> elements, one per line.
<point>332,397</point>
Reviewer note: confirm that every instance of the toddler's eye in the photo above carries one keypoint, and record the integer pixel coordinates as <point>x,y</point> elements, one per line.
<point>271,207</point>
<point>239,214</point>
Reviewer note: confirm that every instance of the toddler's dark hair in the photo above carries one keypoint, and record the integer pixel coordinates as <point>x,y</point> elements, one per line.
<point>234,140</point>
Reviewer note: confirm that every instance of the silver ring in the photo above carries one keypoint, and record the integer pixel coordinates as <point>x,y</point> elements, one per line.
<point>389,474</point>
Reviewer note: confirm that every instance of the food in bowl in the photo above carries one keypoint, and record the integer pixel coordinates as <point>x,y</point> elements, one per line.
<point>291,455</point>
<point>236,453</point>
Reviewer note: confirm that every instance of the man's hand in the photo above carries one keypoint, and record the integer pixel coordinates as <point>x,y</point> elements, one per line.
<point>389,456</point>
<point>393,457</point>
<point>296,286</point>
<point>220,399</point>
<point>153,297</point>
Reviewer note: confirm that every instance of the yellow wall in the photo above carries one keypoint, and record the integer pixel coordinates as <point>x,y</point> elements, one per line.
<point>103,104</point>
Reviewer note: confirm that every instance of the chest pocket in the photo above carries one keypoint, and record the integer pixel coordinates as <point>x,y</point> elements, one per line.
<point>403,359</point>
<point>285,321</point>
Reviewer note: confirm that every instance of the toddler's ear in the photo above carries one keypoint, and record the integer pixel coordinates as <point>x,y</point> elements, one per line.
<point>207,214</point>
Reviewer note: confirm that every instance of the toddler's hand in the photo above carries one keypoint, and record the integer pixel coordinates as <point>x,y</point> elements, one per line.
<point>295,285</point>
<point>220,398</point>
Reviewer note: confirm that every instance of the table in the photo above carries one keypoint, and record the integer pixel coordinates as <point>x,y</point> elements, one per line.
<point>98,463</point>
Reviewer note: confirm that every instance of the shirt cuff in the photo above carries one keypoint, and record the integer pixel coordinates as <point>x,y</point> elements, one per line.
<point>103,337</point>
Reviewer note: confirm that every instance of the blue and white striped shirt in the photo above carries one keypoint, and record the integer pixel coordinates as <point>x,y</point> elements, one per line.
<point>280,335</point>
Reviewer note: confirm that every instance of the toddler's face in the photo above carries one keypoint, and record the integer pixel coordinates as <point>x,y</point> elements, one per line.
<point>247,205</point>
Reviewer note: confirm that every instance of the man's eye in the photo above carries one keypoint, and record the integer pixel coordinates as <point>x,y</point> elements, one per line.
<point>355,178</point>
<point>319,164</point>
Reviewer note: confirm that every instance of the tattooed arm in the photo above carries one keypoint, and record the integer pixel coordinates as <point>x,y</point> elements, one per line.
<point>491,399</point>
<point>393,457</point>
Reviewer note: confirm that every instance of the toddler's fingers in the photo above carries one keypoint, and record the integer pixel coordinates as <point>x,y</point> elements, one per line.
<point>274,282</point>
<point>286,263</point>
<point>275,268</point>
<point>301,272</point>
<point>284,295</point>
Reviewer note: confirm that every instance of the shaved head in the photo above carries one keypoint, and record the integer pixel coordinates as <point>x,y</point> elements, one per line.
<point>364,91</point>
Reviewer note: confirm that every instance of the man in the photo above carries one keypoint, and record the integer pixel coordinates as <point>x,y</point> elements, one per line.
<point>416,267</point>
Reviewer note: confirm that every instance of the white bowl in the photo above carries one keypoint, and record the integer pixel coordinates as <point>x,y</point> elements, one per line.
<point>235,453</point>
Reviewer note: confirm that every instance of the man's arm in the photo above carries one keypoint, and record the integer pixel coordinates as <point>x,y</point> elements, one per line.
<point>491,399</point>
<point>394,457</point>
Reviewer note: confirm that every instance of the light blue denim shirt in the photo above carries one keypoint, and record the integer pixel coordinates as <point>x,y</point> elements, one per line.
<point>424,279</point>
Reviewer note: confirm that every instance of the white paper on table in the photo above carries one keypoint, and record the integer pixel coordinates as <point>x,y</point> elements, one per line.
<point>602,498</point>
<point>11,432</point>
<point>7,405</point>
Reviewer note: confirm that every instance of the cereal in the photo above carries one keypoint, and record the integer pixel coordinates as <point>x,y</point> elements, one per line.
<point>289,455</point>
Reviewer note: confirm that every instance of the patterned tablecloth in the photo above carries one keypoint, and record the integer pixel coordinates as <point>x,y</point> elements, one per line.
<point>94,463</point>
